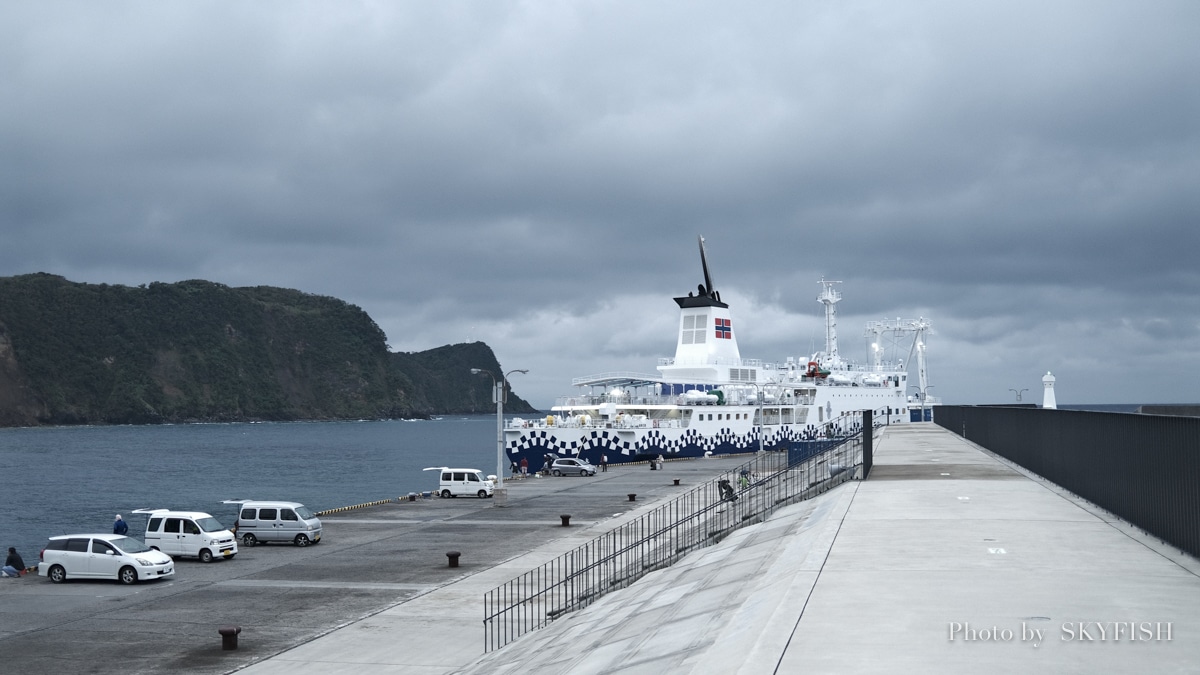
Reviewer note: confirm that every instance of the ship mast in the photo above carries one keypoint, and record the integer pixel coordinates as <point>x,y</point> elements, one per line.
<point>705,295</point>
<point>829,297</point>
<point>708,284</point>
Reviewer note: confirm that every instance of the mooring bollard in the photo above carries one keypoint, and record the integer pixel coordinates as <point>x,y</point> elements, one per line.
<point>632,497</point>
<point>677,481</point>
<point>453,556</point>
<point>566,520</point>
<point>229,637</point>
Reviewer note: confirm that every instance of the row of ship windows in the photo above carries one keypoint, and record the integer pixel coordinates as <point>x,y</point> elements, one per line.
<point>724,416</point>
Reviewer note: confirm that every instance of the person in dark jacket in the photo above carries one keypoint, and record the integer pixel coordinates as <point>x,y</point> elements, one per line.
<point>120,526</point>
<point>13,565</point>
<point>726,490</point>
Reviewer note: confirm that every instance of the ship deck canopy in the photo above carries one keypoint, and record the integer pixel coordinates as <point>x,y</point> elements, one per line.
<point>617,379</point>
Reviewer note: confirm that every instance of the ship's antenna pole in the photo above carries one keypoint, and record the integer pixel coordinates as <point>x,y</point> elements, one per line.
<point>830,297</point>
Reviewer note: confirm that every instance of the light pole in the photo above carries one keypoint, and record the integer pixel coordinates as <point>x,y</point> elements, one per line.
<point>758,393</point>
<point>498,394</point>
<point>1018,393</point>
<point>923,397</point>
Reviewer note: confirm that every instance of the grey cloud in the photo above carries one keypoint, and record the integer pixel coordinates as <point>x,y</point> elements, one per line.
<point>1006,169</point>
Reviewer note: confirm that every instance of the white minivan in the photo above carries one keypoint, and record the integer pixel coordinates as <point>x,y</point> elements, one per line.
<point>102,556</point>
<point>191,534</point>
<point>455,482</point>
<point>260,522</point>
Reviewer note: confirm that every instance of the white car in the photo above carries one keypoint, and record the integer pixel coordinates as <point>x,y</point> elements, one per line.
<point>192,534</point>
<point>102,556</point>
<point>567,466</point>
<point>454,482</point>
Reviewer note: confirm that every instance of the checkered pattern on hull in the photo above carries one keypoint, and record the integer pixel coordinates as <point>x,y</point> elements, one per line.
<point>535,444</point>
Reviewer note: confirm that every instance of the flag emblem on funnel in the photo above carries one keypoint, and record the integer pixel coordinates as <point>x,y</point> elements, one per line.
<point>724,329</point>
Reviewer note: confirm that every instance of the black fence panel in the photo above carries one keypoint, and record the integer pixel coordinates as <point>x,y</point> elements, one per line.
<point>658,538</point>
<point>1144,469</point>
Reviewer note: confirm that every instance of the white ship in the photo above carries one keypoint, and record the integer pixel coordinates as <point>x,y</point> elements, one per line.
<point>708,400</point>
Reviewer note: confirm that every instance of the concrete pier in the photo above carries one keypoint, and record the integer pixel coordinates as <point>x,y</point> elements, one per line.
<point>388,556</point>
<point>946,560</point>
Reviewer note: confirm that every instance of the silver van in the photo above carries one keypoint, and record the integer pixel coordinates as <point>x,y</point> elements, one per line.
<point>188,533</point>
<point>261,522</point>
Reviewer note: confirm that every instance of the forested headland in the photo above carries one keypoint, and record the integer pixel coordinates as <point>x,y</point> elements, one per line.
<point>198,351</point>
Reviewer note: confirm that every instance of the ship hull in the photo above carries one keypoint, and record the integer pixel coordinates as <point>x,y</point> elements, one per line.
<point>630,433</point>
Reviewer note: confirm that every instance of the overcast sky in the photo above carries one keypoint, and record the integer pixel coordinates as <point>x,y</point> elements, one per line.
<point>1025,175</point>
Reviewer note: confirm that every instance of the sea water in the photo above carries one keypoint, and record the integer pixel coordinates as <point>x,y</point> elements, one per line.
<point>67,480</point>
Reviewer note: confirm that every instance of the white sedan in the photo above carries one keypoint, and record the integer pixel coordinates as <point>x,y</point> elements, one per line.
<point>566,466</point>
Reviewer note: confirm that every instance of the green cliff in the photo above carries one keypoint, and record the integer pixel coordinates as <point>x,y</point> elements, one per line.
<point>194,351</point>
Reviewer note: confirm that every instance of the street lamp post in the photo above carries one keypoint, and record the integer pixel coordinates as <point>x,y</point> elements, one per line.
<point>498,394</point>
<point>1018,393</point>
<point>923,397</point>
<point>759,395</point>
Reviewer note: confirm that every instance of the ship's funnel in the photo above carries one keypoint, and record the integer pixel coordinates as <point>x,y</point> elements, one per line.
<point>706,333</point>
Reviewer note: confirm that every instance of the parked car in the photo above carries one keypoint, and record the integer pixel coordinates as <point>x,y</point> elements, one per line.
<point>102,556</point>
<point>188,533</point>
<point>455,482</point>
<point>568,466</point>
<point>260,522</point>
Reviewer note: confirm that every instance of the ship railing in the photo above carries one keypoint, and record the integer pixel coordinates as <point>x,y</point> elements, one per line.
<point>658,538</point>
<point>573,422</point>
<point>718,361</point>
<point>589,400</point>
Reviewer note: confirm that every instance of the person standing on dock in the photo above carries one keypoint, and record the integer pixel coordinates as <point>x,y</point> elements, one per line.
<point>603,462</point>
<point>524,467</point>
<point>120,526</point>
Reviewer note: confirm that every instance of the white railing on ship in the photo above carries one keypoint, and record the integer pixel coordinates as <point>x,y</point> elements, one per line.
<point>734,395</point>
<point>623,399</point>
<point>717,361</point>
<point>573,422</point>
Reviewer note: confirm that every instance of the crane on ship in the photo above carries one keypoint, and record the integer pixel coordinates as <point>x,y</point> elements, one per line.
<point>894,332</point>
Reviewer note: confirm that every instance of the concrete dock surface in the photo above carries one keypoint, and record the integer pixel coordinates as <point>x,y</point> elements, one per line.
<point>369,560</point>
<point>946,559</point>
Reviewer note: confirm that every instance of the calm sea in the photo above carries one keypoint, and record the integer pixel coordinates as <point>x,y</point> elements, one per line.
<point>65,480</point>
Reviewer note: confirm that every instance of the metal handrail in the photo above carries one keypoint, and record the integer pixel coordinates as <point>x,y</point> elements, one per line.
<point>657,539</point>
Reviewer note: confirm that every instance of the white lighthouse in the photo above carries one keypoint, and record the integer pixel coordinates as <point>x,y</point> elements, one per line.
<point>1048,401</point>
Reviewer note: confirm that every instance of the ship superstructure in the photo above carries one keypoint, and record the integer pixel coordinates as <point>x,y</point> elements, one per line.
<point>710,400</point>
